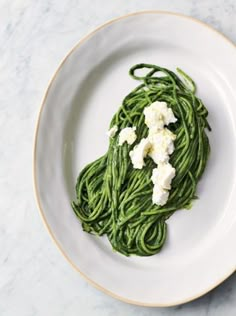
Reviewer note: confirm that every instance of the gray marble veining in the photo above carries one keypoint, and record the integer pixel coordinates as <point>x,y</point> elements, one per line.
<point>34,37</point>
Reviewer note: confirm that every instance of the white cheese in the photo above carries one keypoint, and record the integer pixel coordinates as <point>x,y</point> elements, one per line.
<point>159,195</point>
<point>163,175</point>
<point>112,131</point>
<point>157,115</point>
<point>139,152</point>
<point>128,135</point>
<point>159,145</point>
<point>162,145</point>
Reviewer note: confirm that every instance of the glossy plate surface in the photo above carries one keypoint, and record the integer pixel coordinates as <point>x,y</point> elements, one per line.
<point>82,97</point>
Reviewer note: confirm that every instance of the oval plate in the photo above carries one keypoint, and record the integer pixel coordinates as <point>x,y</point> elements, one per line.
<point>80,101</point>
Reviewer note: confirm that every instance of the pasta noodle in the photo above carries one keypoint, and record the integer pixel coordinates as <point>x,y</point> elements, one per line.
<point>113,198</point>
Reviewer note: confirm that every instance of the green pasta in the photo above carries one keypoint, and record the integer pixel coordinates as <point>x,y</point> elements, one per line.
<point>113,198</point>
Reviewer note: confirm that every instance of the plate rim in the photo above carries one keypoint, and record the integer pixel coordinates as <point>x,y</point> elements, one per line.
<point>35,139</point>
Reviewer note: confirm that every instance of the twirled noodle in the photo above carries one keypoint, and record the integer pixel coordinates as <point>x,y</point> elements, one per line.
<point>115,199</point>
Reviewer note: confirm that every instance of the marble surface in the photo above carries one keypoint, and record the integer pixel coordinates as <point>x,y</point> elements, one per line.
<point>34,36</point>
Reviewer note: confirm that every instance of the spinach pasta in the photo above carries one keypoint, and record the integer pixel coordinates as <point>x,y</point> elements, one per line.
<point>113,197</point>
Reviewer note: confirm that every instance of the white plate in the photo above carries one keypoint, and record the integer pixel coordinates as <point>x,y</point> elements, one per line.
<point>82,97</point>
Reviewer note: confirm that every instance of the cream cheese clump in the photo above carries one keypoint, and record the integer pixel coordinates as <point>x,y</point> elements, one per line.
<point>163,175</point>
<point>112,131</point>
<point>157,115</point>
<point>128,135</point>
<point>139,152</point>
<point>162,145</point>
<point>160,195</point>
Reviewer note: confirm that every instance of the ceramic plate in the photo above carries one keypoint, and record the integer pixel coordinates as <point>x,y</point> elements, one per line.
<point>71,131</point>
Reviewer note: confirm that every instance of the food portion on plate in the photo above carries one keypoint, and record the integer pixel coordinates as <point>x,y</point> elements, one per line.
<point>158,150</point>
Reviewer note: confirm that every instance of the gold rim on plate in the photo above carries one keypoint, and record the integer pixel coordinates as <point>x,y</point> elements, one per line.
<point>96,285</point>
